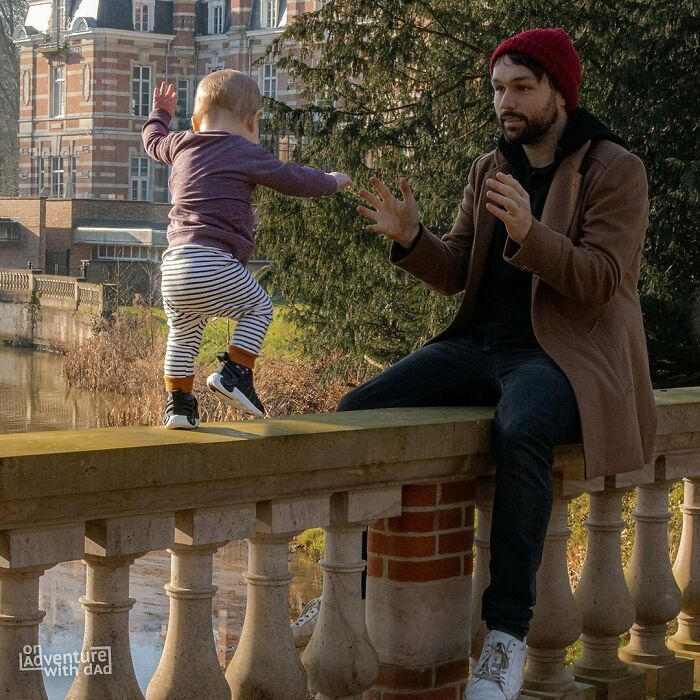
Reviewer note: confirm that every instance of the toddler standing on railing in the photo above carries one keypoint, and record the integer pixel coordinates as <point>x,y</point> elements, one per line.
<point>215,169</point>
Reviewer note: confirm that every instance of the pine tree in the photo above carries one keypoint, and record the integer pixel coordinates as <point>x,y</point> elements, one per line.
<point>400,88</point>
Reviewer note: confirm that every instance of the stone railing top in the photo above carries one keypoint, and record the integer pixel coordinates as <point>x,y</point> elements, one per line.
<point>54,477</point>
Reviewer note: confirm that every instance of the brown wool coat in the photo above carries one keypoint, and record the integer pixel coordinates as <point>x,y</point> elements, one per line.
<point>584,256</point>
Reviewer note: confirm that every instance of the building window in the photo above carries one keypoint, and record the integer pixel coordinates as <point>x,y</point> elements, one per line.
<point>72,175</point>
<point>57,176</point>
<point>125,252</point>
<point>270,81</point>
<point>26,87</point>
<point>86,82</point>
<point>143,16</point>
<point>139,179</point>
<point>41,183</point>
<point>216,18</point>
<point>268,9</point>
<point>183,97</point>
<point>141,90</point>
<point>60,17</point>
<point>58,91</point>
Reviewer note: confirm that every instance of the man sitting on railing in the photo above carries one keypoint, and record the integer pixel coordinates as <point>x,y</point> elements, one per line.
<point>546,248</point>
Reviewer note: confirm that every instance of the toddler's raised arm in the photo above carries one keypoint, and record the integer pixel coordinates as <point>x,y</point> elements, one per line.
<point>294,179</point>
<point>156,131</point>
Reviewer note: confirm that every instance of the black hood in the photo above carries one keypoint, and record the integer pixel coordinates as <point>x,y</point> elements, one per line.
<point>581,127</point>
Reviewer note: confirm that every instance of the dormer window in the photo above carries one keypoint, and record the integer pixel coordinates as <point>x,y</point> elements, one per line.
<point>143,15</point>
<point>268,9</point>
<point>216,17</point>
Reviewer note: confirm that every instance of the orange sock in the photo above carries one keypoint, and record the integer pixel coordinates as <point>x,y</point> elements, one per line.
<point>243,357</point>
<point>179,383</point>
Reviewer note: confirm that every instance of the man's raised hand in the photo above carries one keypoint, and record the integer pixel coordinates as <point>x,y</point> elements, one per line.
<point>395,219</point>
<point>511,204</point>
<point>165,97</point>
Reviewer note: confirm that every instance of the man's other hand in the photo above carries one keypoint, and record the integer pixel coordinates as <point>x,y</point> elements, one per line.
<point>398,220</point>
<point>165,97</point>
<point>511,204</point>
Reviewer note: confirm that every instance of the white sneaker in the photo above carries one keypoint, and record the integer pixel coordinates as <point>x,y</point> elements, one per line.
<point>498,675</point>
<point>303,627</point>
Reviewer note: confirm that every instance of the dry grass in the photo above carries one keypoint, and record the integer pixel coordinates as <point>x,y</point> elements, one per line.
<point>125,358</point>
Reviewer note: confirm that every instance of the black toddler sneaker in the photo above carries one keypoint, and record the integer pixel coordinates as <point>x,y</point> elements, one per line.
<point>234,382</point>
<point>181,411</point>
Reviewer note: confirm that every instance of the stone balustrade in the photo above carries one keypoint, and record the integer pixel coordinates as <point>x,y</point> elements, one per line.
<point>50,311</point>
<point>416,477</point>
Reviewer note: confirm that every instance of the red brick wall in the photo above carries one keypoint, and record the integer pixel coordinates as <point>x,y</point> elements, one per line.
<point>431,541</point>
<point>30,213</point>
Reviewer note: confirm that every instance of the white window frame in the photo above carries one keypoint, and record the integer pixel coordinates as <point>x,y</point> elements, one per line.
<point>58,90</point>
<point>269,81</point>
<point>149,6</point>
<point>268,14</point>
<point>141,90</point>
<point>183,97</point>
<point>57,176</point>
<point>108,251</point>
<point>139,184</point>
<point>217,17</point>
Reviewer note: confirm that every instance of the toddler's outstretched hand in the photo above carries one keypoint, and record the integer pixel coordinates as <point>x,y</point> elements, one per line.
<point>341,180</point>
<point>165,97</point>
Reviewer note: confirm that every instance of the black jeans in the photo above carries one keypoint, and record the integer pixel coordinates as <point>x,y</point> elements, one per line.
<point>535,410</point>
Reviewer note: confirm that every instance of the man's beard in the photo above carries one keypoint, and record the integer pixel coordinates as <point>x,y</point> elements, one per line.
<point>535,127</point>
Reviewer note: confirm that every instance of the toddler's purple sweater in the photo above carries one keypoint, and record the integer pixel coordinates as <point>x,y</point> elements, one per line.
<point>212,179</point>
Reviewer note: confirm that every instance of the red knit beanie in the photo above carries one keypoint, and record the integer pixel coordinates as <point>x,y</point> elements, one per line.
<point>553,50</point>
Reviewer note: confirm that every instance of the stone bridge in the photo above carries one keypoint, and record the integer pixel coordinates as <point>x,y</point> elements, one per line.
<point>417,478</point>
<point>50,311</point>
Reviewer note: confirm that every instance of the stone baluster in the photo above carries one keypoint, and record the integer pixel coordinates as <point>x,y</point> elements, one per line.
<point>266,663</point>
<point>111,546</point>
<point>605,604</point>
<point>485,487</point>
<point>340,660</point>
<point>189,666</point>
<point>556,621</point>
<point>686,642</point>
<point>25,554</point>
<point>656,597</point>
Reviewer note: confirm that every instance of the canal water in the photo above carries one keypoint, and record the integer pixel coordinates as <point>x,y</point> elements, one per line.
<point>33,396</point>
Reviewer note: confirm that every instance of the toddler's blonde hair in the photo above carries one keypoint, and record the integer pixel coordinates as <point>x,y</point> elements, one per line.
<point>227,89</point>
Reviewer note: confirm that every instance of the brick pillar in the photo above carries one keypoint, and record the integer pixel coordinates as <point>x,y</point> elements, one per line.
<point>419,568</point>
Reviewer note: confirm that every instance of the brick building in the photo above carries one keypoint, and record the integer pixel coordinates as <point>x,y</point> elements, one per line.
<point>87,73</point>
<point>103,240</point>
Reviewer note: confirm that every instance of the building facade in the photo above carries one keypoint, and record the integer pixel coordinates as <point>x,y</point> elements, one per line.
<point>87,73</point>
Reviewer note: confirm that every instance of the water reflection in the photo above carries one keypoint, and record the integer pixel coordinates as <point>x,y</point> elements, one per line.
<point>34,397</point>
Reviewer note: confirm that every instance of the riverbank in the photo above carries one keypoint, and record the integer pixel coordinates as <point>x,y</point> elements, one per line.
<point>125,357</point>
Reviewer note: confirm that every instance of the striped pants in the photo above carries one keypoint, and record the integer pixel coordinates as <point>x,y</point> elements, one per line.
<point>198,284</point>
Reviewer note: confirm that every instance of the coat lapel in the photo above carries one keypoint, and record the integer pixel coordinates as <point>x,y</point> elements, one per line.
<point>484,225</point>
<point>560,206</point>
